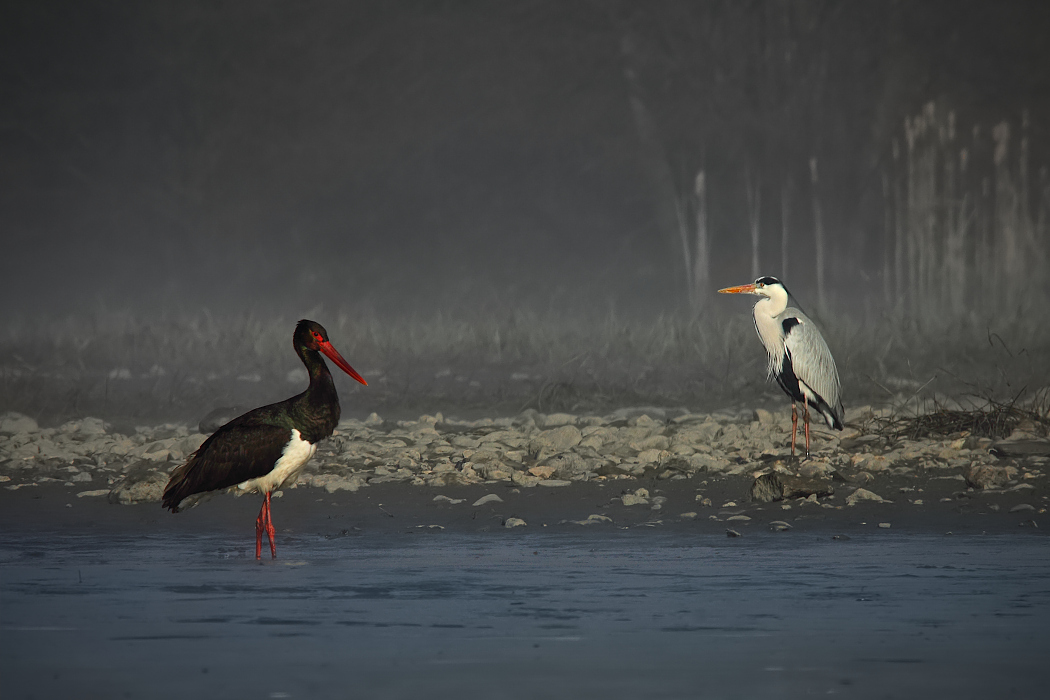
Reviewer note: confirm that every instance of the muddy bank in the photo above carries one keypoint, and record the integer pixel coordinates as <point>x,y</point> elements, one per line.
<point>657,468</point>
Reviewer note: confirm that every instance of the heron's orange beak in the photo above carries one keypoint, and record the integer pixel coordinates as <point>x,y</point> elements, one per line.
<point>742,289</point>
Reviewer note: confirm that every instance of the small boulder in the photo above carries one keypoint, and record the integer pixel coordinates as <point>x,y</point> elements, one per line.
<point>592,519</point>
<point>143,483</point>
<point>565,466</point>
<point>864,495</point>
<point>544,472</point>
<point>11,423</point>
<point>638,498</point>
<point>556,420</point>
<point>982,477</point>
<point>777,487</point>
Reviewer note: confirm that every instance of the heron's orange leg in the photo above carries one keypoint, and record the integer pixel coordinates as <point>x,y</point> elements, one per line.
<point>794,426</point>
<point>805,418</point>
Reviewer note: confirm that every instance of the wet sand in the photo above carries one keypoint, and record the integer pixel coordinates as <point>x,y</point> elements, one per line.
<point>391,508</point>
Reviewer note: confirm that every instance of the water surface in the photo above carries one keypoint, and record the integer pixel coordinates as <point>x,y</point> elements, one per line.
<point>631,615</point>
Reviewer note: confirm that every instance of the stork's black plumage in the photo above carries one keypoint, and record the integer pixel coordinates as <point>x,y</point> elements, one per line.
<point>267,447</point>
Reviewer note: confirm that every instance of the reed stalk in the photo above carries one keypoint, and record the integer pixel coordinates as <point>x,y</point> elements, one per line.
<point>963,230</point>
<point>818,234</point>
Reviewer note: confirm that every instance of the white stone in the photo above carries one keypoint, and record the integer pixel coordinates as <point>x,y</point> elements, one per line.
<point>638,498</point>
<point>554,441</point>
<point>593,519</point>
<point>556,420</point>
<point>864,495</point>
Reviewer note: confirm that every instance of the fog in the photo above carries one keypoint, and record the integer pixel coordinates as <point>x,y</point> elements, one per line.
<point>434,155</point>
<point>180,181</point>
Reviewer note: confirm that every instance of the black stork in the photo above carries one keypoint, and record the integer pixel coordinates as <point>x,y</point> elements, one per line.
<point>267,447</point>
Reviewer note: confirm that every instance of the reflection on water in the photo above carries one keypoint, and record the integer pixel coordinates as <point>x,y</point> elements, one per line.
<point>621,616</point>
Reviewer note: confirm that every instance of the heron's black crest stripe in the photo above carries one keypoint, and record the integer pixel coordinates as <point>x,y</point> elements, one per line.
<point>767,280</point>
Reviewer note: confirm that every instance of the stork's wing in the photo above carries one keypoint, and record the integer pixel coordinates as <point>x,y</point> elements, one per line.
<point>234,454</point>
<point>812,362</point>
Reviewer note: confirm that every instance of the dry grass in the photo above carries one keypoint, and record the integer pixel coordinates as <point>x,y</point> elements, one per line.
<point>994,420</point>
<point>181,365</point>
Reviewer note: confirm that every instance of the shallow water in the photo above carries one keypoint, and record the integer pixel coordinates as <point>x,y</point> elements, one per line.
<point>631,615</point>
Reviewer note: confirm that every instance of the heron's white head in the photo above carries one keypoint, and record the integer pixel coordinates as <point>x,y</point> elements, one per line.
<point>774,300</point>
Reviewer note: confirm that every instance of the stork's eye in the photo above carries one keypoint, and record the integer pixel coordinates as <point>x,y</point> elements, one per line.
<point>317,337</point>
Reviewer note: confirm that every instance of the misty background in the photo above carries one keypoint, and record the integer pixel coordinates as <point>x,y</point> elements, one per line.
<point>466,171</point>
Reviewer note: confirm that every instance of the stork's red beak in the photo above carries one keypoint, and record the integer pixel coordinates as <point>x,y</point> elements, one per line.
<point>742,289</point>
<point>333,355</point>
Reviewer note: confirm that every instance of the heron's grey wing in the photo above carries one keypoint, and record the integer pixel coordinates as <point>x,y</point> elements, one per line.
<point>811,358</point>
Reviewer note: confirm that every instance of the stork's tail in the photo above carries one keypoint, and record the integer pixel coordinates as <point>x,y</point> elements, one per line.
<point>177,489</point>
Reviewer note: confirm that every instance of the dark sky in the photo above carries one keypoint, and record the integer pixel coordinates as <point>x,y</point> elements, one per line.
<point>413,156</point>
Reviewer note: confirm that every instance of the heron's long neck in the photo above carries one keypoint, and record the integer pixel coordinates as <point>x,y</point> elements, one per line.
<point>770,332</point>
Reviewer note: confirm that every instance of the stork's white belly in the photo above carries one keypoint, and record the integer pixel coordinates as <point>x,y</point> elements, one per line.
<point>296,454</point>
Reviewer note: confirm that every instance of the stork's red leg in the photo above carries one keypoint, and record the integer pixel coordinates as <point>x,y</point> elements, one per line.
<point>794,426</point>
<point>260,525</point>
<point>269,528</point>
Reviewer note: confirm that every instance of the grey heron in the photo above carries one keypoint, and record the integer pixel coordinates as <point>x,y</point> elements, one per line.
<point>798,357</point>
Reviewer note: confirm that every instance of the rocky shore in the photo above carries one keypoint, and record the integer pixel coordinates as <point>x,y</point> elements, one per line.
<point>652,465</point>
